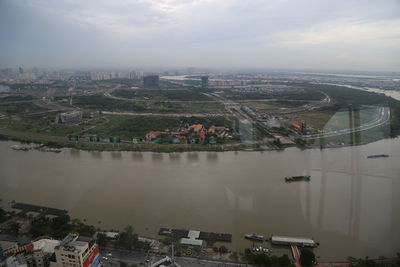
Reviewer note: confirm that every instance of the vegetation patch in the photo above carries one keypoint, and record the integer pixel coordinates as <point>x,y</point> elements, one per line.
<point>99,102</point>
<point>273,105</point>
<point>165,94</point>
<point>18,108</point>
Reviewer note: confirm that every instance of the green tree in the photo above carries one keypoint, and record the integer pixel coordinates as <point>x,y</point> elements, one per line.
<point>3,215</point>
<point>127,239</point>
<point>13,228</point>
<point>307,257</point>
<point>222,250</point>
<point>102,240</point>
<point>61,221</point>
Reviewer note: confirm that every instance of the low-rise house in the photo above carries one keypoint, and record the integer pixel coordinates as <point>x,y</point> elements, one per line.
<point>198,128</point>
<point>216,129</point>
<point>202,137</point>
<point>153,135</point>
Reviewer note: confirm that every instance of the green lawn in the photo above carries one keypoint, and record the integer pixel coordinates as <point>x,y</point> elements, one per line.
<point>17,108</point>
<point>264,105</point>
<point>16,98</point>
<point>162,95</point>
<point>43,124</point>
<point>330,120</point>
<point>99,102</point>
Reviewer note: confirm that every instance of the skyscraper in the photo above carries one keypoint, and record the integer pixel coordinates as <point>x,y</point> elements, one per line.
<point>151,81</point>
<point>204,81</point>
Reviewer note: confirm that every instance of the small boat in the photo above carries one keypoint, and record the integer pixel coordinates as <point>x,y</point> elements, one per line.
<point>261,249</point>
<point>298,178</point>
<point>254,237</point>
<point>55,150</point>
<point>378,156</point>
<point>22,148</point>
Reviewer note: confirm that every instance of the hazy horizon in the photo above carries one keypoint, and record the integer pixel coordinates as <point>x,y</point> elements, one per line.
<point>207,34</point>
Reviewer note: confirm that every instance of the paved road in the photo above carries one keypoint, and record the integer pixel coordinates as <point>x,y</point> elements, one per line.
<point>307,107</point>
<point>146,100</point>
<point>382,118</point>
<point>141,258</point>
<point>52,106</point>
<point>209,114</point>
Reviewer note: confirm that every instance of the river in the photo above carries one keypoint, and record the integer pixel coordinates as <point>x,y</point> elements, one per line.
<point>351,205</point>
<point>391,93</point>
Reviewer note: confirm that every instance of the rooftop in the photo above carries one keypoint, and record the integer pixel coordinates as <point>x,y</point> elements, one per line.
<point>192,239</point>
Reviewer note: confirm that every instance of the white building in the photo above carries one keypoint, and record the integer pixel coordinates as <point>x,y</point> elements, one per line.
<point>76,251</point>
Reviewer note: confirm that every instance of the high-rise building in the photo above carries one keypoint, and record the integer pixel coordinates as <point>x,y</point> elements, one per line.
<point>151,81</point>
<point>76,251</point>
<point>99,76</point>
<point>21,70</point>
<point>136,75</point>
<point>204,81</point>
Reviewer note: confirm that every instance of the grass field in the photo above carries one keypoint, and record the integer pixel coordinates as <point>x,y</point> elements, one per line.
<point>99,102</point>
<point>272,105</point>
<point>182,94</point>
<point>328,120</point>
<point>17,108</point>
<point>16,98</point>
<point>303,94</point>
<point>367,136</point>
<point>42,124</point>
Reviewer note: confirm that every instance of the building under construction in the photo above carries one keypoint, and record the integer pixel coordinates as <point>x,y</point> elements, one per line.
<point>69,117</point>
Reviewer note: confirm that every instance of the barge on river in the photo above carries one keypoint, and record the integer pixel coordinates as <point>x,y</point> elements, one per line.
<point>378,156</point>
<point>254,237</point>
<point>298,178</point>
<point>298,241</point>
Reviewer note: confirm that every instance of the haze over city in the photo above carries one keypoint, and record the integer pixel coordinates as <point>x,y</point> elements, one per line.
<point>324,35</point>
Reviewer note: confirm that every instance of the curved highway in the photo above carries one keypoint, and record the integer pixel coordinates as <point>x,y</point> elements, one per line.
<point>382,118</point>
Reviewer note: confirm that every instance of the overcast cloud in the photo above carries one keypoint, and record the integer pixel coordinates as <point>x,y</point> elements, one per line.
<point>307,34</point>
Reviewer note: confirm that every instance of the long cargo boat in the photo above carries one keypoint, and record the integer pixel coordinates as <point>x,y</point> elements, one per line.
<point>298,178</point>
<point>254,237</point>
<point>298,241</point>
<point>378,156</point>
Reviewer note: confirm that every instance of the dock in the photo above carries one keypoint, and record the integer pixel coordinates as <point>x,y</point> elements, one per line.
<point>296,255</point>
<point>39,209</point>
<point>209,237</point>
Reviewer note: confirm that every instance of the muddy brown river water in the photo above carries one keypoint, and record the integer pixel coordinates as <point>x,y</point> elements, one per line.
<point>351,205</point>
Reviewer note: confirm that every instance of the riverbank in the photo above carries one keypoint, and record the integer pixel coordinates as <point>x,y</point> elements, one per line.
<point>62,142</point>
<point>59,142</point>
<point>165,148</point>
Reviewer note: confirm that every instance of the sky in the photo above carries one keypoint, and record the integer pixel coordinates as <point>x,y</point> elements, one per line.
<point>358,35</point>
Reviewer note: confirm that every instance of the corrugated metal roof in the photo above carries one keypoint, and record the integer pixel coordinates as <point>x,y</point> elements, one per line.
<point>192,240</point>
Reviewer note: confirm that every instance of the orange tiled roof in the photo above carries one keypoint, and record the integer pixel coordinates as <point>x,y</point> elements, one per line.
<point>197,126</point>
